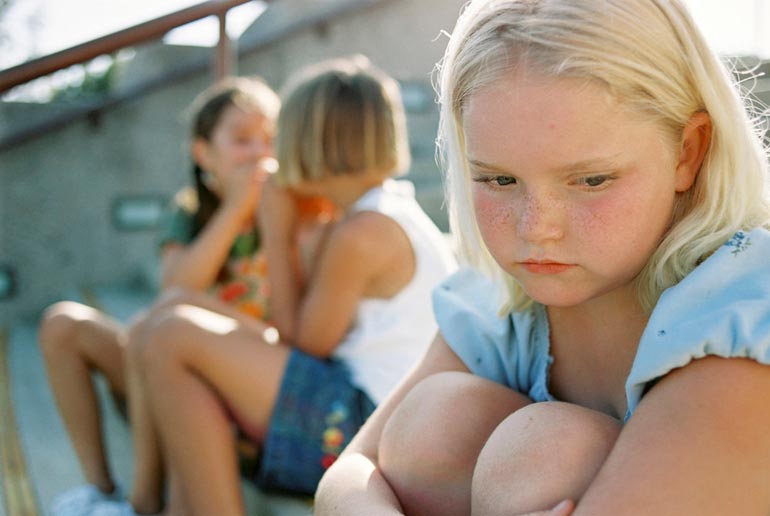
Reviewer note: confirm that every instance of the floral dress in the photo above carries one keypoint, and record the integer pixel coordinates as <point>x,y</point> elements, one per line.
<point>244,279</point>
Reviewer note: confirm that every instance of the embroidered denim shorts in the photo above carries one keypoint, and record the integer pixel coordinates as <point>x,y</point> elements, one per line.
<point>317,413</point>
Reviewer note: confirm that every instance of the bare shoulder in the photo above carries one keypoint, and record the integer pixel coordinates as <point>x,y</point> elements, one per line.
<point>370,234</point>
<point>730,385</point>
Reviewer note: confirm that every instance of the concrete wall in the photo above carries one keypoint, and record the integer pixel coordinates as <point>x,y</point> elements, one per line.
<point>56,192</point>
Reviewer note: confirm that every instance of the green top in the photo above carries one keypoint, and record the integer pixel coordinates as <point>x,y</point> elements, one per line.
<point>243,279</point>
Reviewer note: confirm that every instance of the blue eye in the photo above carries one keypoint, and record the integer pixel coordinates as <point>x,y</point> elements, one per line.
<point>595,181</point>
<point>495,181</point>
<point>503,180</point>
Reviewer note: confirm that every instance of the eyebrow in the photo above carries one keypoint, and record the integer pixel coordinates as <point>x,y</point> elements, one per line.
<point>588,164</point>
<point>480,164</point>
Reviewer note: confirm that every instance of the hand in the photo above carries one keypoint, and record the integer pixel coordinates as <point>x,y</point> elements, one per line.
<point>564,508</point>
<point>243,186</point>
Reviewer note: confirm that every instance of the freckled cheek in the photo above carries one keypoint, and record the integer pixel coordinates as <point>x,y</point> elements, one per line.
<point>601,223</point>
<point>493,215</point>
<point>590,219</point>
<point>610,224</point>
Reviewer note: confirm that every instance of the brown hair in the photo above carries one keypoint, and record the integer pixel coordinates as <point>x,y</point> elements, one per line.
<point>247,93</point>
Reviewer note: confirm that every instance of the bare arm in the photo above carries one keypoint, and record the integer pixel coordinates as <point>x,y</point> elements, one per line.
<point>278,226</point>
<point>195,266</point>
<point>360,250</point>
<point>699,443</point>
<point>354,484</point>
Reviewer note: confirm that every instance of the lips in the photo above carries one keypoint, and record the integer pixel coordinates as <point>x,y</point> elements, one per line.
<point>545,267</point>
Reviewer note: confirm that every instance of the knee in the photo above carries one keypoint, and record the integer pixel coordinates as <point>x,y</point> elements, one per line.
<point>558,429</point>
<point>417,432</point>
<point>431,442</point>
<point>151,339</point>
<point>551,450</point>
<point>59,328</point>
<point>428,434</point>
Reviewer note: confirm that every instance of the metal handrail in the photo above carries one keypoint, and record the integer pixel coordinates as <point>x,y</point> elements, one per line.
<point>93,109</point>
<point>144,32</point>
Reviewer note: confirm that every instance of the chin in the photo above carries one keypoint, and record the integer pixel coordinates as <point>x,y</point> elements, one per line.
<point>560,297</point>
<point>559,301</point>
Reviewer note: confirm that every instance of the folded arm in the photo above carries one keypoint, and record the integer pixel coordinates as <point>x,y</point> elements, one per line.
<point>699,443</point>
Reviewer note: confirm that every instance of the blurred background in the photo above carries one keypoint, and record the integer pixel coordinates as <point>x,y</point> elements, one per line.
<point>90,153</point>
<point>93,145</point>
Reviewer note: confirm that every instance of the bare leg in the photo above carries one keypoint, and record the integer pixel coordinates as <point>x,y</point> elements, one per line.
<point>539,456</point>
<point>174,297</point>
<point>177,500</point>
<point>75,340</point>
<point>430,444</point>
<point>193,360</point>
<point>150,466</point>
<point>147,494</point>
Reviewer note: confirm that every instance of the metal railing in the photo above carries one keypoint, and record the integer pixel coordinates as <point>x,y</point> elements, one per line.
<point>145,32</point>
<point>142,33</point>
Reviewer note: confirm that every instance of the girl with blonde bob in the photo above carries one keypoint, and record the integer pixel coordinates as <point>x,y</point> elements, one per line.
<point>352,314</point>
<point>605,179</point>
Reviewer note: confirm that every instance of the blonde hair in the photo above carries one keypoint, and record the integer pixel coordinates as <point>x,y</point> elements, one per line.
<point>341,116</point>
<point>651,57</point>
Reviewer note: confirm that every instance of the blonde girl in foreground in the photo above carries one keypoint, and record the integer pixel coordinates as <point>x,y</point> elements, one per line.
<point>604,176</point>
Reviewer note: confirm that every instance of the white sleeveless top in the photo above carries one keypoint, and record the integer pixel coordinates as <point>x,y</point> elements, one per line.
<point>388,336</point>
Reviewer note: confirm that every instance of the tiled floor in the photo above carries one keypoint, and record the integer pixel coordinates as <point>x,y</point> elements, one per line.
<point>36,459</point>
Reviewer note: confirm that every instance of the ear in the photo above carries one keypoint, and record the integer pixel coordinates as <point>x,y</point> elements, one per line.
<point>199,148</point>
<point>696,139</point>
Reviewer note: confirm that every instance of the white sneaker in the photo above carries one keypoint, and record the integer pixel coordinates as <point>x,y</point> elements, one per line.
<point>79,501</point>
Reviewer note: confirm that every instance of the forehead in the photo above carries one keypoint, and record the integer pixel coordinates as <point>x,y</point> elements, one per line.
<point>239,118</point>
<point>546,119</point>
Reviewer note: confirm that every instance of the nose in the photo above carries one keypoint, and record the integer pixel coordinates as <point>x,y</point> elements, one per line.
<point>540,218</point>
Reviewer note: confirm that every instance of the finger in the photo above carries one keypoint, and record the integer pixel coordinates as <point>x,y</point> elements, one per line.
<point>564,508</point>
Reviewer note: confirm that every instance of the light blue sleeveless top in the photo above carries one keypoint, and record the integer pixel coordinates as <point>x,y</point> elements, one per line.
<point>721,308</point>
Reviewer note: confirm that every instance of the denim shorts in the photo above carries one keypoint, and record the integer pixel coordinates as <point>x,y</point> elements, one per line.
<point>317,413</point>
